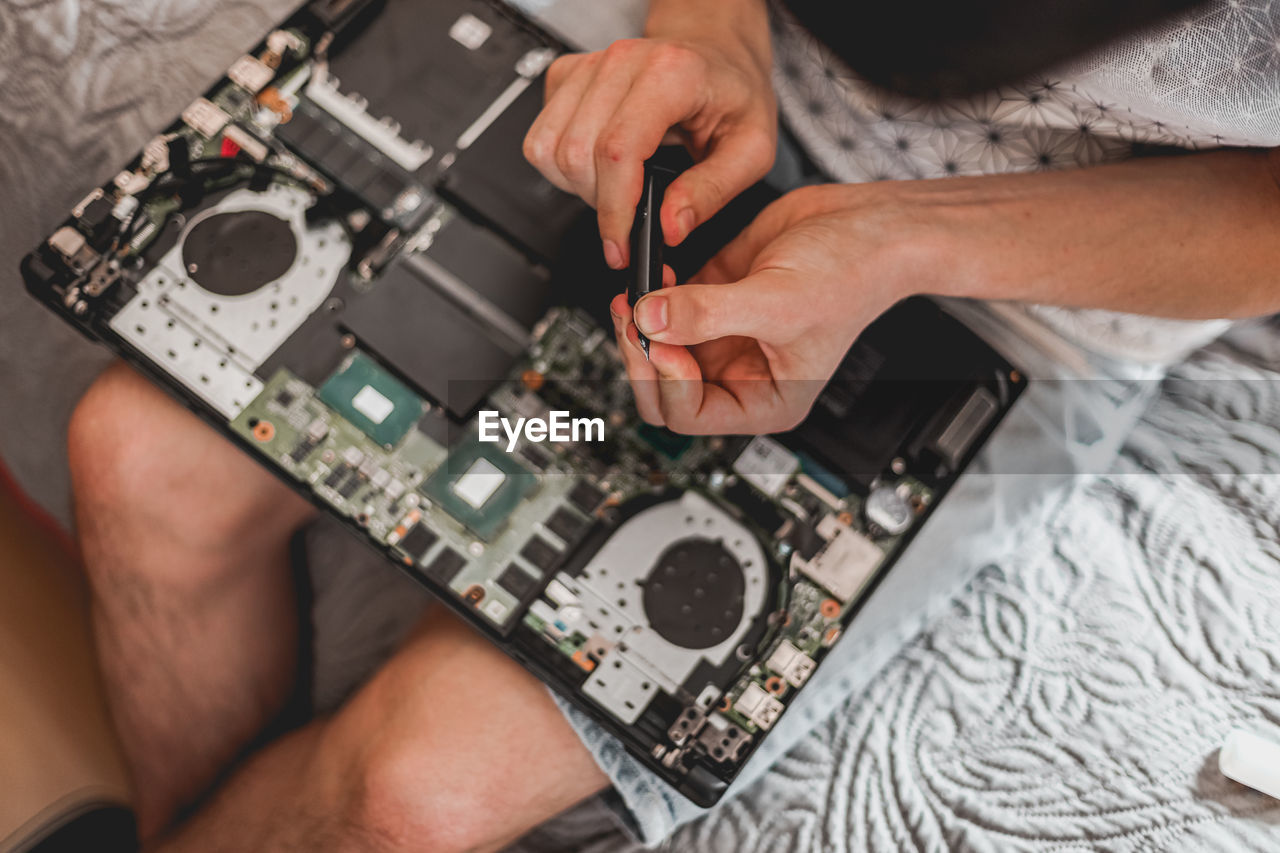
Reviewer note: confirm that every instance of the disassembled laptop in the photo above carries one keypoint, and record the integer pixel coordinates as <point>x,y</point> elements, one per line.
<point>340,282</point>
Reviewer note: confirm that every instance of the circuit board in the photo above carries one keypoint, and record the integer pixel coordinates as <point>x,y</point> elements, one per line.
<point>488,562</point>
<point>358,290</point>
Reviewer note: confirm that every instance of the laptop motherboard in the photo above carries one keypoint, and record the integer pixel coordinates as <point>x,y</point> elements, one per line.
<point>337,257</point>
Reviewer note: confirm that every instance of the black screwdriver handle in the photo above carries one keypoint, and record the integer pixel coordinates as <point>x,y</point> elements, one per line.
<point>647,239</point>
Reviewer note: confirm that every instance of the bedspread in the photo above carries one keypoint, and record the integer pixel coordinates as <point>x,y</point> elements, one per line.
<point>1072,697</point>
<point>1075,695</point>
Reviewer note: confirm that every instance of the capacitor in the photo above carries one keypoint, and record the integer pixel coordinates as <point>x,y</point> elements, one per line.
<point>533,380</point>
<point>888,510</point>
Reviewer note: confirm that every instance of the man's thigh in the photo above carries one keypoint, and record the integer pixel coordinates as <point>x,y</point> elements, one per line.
<point>185,541</point>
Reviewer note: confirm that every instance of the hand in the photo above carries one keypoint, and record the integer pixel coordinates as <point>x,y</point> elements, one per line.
<point>748,347</point>
<point>607,112</point>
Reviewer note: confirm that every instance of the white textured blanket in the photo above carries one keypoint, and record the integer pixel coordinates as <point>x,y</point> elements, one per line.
<point>1073,698</point>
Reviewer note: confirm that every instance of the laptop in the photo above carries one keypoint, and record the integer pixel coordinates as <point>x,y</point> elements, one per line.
<point>338,258</point>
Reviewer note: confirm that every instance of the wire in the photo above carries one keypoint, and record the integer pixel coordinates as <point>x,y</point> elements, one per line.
<point>128,232</point>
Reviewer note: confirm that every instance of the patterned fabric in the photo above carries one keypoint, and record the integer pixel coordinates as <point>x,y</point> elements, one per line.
<point>1075,694</point>
<point>1207,79</point>
<point>1001,726</point>
<point>1078,691</point>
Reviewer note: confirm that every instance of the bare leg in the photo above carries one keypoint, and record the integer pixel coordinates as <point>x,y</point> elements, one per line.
<point>185,542</point>
<point>451,746</point>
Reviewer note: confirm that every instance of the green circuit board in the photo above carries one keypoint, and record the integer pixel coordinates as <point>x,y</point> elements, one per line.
<point>400,484</point>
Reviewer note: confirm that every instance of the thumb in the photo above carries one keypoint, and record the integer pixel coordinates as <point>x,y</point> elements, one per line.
<point>736,162</point>
<point>694,313</point>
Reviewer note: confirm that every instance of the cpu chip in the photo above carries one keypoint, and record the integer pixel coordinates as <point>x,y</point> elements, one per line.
<point>479,483</point>
<point>480,486</point>
<point>370,398</point>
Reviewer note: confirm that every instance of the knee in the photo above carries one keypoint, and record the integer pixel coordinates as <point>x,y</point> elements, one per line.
<point>399,802</point>
<point>119,504</point>
<point>107,438</point>
<point>140,463</point>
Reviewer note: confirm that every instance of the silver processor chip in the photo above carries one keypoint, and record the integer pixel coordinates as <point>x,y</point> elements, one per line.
<point>479,483</point>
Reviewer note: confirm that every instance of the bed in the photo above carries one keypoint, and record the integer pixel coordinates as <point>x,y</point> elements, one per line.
<point>1071,696</point>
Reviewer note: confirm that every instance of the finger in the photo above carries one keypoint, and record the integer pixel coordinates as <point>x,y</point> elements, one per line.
<point>679,387</point>
<point>736,161</point>
<point>640,373</point>
<point>693,406</point>
<point>668,276</point>
<point>576,152</point>
<point>734,261</point>
<point>657,101</point>
<point>633,358</point>
<point>674,137</point>
<point>558,72</point>
<point>756,307</point>
<point>643,378</point>
<point>544,135</point>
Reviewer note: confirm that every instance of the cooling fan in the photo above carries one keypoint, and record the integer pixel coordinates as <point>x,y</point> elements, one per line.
<point>244,274</point>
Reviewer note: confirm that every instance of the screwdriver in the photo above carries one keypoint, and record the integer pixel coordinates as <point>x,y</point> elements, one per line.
<point>647,239</point>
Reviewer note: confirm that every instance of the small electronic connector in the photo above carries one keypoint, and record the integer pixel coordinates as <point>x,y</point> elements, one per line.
<point>758,706</point>
<point>792,664</point>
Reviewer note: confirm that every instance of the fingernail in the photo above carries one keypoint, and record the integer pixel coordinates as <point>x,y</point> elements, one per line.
<point>685,219</point>
<point>612,255</point>
<point>651,314</point>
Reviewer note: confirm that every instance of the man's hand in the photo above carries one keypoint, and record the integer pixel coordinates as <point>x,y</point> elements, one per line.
<point>702,76</point>
<point>748,348</point>
<point>749,345</point>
